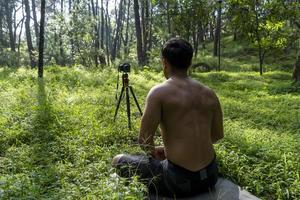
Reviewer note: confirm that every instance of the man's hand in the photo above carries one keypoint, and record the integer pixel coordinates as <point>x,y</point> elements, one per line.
<point>159,153</point>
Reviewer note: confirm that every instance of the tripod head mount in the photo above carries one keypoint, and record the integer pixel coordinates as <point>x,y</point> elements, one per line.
<point>125,80</point>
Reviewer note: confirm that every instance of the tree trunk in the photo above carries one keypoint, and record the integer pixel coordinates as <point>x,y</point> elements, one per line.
<point>35,22</point>
<point>235,34</point>
<point>145,25</point>
<point>102,25</point>
<point>96,30</point>
<point>150,28</point>
<point>41,41</point>
<point>201,35</point>
<point>217,34</point>
<point>20,35</point>
<point>71,35</point>
<point>119,42</point>
<point>108,30</point>
<point>126,41</point>
<point>168,19</point>
<point>28,34</point>
<point>8,13</point>
<point>195,40</point>
<point>61,48</point>
<point>258,39</point>
<point>296,73</point>
<point>1,23</point>
<point>117,32</point>
<point>138,31</point>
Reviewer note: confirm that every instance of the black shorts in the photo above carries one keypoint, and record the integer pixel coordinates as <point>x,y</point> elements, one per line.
<point>166,178</point>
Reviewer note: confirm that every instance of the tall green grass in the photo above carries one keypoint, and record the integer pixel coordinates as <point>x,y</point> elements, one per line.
<point>57,135</point>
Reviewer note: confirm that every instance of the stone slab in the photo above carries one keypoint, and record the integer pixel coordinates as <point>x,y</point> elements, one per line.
<point>224,190</point>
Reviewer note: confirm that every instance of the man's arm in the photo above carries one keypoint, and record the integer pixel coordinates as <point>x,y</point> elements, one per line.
<point>217,131</point>
<point>150,121</point>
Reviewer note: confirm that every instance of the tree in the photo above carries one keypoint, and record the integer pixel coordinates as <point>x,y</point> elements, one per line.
<point>1,24</point>
<point>296,73</point>
<point>108,33</point>
<point>126,39</point>
<point>35,22</point>
<point>217,37</point>
<point>96,30</point>
<point>261,24</point>
<point>41,40</point>
<point>8,7</point>
<point>117,31</point>
<point>138,31</point>
<point>28,35</point>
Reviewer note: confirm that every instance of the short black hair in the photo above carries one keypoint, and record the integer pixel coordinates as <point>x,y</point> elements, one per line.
<point>178,52</point>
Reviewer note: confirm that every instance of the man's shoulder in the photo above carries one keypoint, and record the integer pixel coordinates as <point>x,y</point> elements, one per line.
<point>204,88</point>
<point>157,90</point>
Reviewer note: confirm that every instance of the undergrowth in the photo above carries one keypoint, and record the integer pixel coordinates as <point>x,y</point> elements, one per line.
<point>57,135</point>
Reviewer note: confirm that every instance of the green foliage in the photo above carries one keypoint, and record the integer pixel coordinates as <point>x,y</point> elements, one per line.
<point>8,58</point>
<point>238,56</point>
<point>58,138</point>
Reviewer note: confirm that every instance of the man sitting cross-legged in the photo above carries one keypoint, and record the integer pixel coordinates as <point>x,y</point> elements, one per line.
<point>191,121</point>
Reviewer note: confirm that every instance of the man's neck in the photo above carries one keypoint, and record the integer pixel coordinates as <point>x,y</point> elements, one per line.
<point>179,74</point>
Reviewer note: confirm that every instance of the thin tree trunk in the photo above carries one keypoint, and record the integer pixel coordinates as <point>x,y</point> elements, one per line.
<point>150,28</point>
<point>1,23</point>
<point>71,34</point>
<point>35,22</point>
<point>139,48</point>
<point>296,73</point>
<point>217,34</point>
<point>96,30</point>
<point>15,24</point>
<point>102,25</point>
<point>20,35</point>
<point>107,21</point>
<point>235,34</point>
<point>201,35</point>
<point>41,42</point>
<point>19,40</point>
<point>119,42</point>
<point>28,34</point>
<point>8,12</point>
<point>168,19</point>
<point>101,55</point>
<point>126,42</point>
<point>117,32</point>
<point>145,25</point>
<point>61,48</point>
<point>195,40</point>
<point>212,28</point>
<point>258,39</point>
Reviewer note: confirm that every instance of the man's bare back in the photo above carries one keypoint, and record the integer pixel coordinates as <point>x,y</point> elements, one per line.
<point>190,121</point>
<point>190,118</point>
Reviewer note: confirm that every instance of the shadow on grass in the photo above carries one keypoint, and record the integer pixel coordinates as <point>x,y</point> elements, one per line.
<point>44,142</point>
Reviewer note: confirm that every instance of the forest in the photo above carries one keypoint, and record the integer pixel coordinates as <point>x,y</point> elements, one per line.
<point>59,73</point>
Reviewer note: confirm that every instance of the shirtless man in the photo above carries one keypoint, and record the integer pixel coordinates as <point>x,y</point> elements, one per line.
<point>191,121</point>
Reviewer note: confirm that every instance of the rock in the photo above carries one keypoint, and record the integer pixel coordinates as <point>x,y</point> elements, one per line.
<point>224,190</point>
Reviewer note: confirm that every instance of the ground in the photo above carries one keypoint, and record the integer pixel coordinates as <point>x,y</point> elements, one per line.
<point>57,135</point>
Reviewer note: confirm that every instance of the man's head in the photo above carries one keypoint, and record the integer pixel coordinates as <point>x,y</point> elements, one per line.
<point>177,56</point>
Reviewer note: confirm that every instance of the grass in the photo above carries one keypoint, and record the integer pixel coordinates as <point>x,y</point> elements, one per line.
<point>242,56</point>
<point>57,135</point>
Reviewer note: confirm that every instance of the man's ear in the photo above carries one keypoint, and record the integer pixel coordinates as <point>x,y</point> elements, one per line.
<point>163,60</point>
<point>164,64</point>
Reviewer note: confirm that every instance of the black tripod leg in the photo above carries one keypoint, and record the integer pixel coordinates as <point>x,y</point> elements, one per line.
<point>128,108</point>
<point>136,102</point>
<point>118,105</point>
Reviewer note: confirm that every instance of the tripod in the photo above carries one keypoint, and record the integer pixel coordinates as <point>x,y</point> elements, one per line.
<point>127,88</point>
